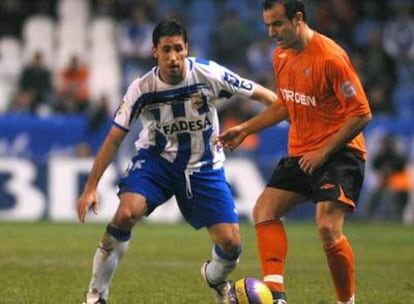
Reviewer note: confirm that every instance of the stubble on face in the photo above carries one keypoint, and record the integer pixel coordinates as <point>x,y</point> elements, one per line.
<point>170,53</point>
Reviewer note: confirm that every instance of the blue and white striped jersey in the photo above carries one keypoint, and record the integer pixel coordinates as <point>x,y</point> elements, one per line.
<point>179,121</point>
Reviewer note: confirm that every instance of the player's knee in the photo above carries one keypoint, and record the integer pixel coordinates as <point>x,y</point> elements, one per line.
<point>229,243</point>
<point>131,208</point>
<point>264,211</point>
<point>328,233</point>
<point>227,238</point>
<point>125,219</point>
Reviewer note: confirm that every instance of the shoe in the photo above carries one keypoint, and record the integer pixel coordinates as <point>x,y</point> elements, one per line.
<point>279,297</point>
<point>93,297</point>
<point>219,290</point>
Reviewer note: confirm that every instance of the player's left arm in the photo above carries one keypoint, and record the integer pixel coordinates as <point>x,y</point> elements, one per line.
<point>312,160</point>
<point>350,93</point>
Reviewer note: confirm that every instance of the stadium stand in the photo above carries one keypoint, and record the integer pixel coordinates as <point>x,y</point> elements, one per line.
<point>39,35</point>
<point>10,66</point>
<point>91,29</point>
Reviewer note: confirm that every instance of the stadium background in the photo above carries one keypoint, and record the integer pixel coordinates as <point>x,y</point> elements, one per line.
<point>45,153</point>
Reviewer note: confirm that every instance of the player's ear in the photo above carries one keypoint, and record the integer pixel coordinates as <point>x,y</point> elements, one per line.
<point>298,18</point>
<point>154,52</point>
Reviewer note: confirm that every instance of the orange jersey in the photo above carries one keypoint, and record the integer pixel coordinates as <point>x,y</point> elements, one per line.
<point>320,89</point>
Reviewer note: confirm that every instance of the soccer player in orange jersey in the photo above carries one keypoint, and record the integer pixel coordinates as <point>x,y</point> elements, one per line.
<point>321,96</point>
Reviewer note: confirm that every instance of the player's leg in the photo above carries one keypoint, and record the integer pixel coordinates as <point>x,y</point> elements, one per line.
<point>330,219</point>
<point>287,188</point>
<point>225,253</point>
<point>224,258</point>
<point>114,244</point>
<point>205,200</point>
<point>336,188</point>
<point>271,238</point>
<point>142,189</point>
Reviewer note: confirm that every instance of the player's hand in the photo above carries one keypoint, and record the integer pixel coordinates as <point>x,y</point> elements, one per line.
<point>88,199</point>
<point>312,160</point>
<point>230,138</point>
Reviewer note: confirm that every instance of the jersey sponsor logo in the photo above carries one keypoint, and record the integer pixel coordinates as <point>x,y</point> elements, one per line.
<point>182,125</point>
<point>298,97</point>
<point>237,82</point>
<point>348,89</point>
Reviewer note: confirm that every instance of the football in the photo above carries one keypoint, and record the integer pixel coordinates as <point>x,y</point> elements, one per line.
<point>250,291</point>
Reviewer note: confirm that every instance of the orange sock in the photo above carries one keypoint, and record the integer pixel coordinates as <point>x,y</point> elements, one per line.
<point>272,247</point>
<point>341,263</point>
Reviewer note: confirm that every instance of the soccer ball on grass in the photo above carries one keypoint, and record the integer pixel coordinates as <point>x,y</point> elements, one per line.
<point>250,291</point>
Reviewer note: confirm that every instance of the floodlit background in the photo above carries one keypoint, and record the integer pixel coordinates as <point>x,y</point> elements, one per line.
<point>52,121</point>
<point>48,138</point>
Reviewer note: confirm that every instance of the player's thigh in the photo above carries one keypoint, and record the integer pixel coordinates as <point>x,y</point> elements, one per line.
<point>274,203</point>
<point>211,201</point>
<point>226,235</point>
<point>131,208</point>
<point>340,179</point>
<point>287,187</point>
<point>147,184</point>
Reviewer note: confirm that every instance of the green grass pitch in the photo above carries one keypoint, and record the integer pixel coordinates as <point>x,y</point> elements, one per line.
<point>44,262</point>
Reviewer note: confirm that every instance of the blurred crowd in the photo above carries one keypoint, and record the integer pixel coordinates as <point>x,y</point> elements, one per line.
<point>378,34</point>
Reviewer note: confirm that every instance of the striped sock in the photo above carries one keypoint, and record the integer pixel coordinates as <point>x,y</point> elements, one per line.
<point>272,246</point>
<point>341,264</point>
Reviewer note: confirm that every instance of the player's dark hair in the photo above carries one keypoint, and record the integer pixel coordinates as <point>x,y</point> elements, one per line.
<point>291,7</point>
<point>168,28</point>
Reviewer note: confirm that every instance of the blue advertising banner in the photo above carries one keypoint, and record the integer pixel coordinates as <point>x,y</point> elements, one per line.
<point>37,138</point>
<point>41,176</point>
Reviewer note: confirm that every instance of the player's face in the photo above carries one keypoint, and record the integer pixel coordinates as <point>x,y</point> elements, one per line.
<point>170,53</point>
<point>283,30</point>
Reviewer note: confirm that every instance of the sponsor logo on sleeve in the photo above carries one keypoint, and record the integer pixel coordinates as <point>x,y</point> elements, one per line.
<point>347,89</point>
<point>237,82</point>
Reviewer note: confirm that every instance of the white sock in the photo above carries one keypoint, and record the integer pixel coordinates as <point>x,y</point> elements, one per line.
<point>350,301</point>
<point>219,268</point>
<point>106,259</point>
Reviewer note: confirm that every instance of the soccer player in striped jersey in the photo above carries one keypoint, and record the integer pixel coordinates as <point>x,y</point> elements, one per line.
<point>321,95</point>
<point>175,156</point>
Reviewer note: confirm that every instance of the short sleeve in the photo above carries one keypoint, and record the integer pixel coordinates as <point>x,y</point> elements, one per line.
<point>128,109</point>
<point>347,86</point>
<point>227,82</point>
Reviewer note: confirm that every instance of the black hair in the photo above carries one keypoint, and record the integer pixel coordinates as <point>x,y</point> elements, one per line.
<point>291,7</point>
<point>168,28</point>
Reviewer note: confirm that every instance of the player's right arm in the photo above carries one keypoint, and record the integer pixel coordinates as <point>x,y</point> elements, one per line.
<point>274,114</point>
<point>89,196</point>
